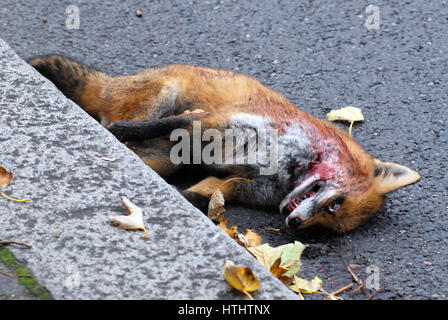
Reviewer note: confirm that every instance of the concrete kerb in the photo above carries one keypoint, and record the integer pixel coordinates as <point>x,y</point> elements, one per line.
<point>55,151</point>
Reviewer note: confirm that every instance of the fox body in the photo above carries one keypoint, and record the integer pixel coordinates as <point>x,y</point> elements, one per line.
<point>324,177</point>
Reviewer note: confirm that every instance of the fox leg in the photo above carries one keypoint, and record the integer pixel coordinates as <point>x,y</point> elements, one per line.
<point>160,163</point>
<point>199,194</point>
<point>156,154</point>
<point>149,129</point>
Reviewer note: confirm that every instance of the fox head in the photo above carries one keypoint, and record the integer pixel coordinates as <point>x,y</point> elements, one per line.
<point>336,184</point>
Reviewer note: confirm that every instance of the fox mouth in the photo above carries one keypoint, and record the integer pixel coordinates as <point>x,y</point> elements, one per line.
<point>296,200</point>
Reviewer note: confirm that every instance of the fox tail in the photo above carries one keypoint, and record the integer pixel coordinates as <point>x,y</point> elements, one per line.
<point>76,81</point>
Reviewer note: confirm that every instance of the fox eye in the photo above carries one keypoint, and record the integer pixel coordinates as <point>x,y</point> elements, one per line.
<point>334,206</point>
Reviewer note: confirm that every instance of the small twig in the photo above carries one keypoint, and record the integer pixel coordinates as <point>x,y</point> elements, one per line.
<point>343,289</point>
<point>350,129</point>
<point>4,242</point>
<point>14,275</point>
<point>355,277</point>
<point>13,199</point>
<point>374,293</point>
<point>268,229</point>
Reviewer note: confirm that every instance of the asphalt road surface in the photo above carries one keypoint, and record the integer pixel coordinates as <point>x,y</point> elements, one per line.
<point>321,56</point>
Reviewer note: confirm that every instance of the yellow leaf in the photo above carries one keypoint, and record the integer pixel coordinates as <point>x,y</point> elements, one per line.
<point>306,286</point>
<point>350,114</point>
<point>242,279</point>
<point>289,254</point>
<point>232,231</point>
<point>265,254</point>
<point>346,114</point>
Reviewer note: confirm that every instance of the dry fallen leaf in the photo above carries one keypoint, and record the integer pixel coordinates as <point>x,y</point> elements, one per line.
<point>133,220</point>
<point>223,224</point>
<point>193,111</point>
<point>253,238</point>
<point>242,279</point>
<point>307,286</point>
<point>313,286</point>
<point>265,255</point>
<point>239,238</point>
<point>279,272</point>
<point>5,177</point>
<point>249,239</point>
<point>108,159</point>
<point>276,270</point>
<point>350,114</point>
<point>5,180</point>
<point>289,253</point>
<point>346,114</point>
<point>216,206</point>
<point>216,209</point>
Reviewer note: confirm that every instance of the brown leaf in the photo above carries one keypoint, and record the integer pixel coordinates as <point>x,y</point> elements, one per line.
<point>279,272</point>
<point>239,238</point>
<point>253,238</point>
<point>223,224</point>
<point>5,178</point>
<point>276,270</point>
<point>242,279</point>
<point>216,206</point>
<point>286,280</point>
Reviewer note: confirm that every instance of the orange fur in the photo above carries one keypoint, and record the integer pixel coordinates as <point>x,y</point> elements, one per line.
<point>162,92</point>
<point>223,94</point>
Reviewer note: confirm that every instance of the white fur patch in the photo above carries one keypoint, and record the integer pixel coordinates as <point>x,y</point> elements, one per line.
<point>247,120</point>
<point>167,100</point>
<point>293,145</point>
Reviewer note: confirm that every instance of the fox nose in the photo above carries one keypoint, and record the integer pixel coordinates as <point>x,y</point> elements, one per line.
<point>294,222</point>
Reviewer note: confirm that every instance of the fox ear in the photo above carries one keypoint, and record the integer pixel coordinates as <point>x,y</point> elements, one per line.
<point>392,176</point>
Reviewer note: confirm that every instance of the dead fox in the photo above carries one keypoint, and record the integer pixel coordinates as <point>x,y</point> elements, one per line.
<point>323,177</point>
